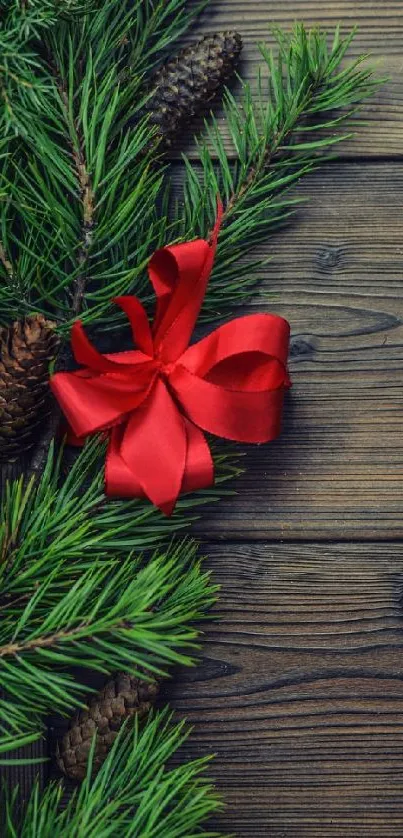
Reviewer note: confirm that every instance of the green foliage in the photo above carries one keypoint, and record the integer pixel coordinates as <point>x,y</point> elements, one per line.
<point>75,590</point>
<point>78,192</point>
<point>303,102</point>
<point>82,204</point>
<point>136,30</point>
<point>134,794</point>
<point>22,80</point>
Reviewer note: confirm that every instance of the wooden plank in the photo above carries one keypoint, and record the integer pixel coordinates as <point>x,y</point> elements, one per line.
<point>300,690</point>
<point>380,33</point>
<point>336,273</point>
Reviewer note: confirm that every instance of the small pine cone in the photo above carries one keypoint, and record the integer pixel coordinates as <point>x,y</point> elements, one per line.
<point>122,698</point>
<point>26,349</point>
<point>185,84</point>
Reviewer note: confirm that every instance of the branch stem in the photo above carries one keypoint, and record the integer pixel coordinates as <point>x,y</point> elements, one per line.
<point>49,640</point>
<point>87,200</point>
<point>271,153</point>
<point>7,265</point>
<point>38,460</point>
<point>41,450</point>
<point>35,643</point>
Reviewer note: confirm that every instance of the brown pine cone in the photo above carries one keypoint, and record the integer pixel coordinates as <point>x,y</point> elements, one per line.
<point>185,84</point>
<point>122,698</point>
<point>26,349</point>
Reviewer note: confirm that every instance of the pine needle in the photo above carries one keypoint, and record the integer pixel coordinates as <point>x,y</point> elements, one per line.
<point>136,793</point>
<point>304,102</point>
<point>82,203</point>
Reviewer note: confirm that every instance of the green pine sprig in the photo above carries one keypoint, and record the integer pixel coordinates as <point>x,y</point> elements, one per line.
<point>136,793</point>
<point>78,190</point>
<point>80,219</point>
<point>131,34</point>
<point>304,103</point>
<point>22,80</point>
<point>77,590</point>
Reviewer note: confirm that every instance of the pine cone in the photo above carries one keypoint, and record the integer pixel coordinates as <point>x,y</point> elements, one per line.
<point>120,699</point>
<point>26,348</point>
<point>183,86</point>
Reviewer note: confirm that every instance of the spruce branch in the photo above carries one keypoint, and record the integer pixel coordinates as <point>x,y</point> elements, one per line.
<point>137,792</point>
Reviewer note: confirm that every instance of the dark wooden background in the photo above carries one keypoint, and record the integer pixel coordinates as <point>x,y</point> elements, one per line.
<point>300,690</point>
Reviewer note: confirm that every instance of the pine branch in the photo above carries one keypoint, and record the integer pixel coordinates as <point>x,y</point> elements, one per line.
<point>109,617</point>
<point>142,28</point>
<point>69,201</point>
<point>22,82</point>
<point>78,224</point>
<point>78,216</point>
<point>17,731</point>
<point>76,591</point>
<point>281,131</point>
<point>136,793</point>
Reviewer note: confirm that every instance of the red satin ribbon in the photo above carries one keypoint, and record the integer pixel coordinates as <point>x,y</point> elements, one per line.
<point>156,400</point>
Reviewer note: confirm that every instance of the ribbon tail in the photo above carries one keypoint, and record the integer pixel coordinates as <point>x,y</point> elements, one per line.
<point>149,456</point>
<point>199,468</point>
<point>120,481</point>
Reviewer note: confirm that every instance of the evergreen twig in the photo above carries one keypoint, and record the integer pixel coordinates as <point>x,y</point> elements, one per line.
<point>281,131</point>
<point>137,792</point>
<point>75,589</point>
<point>304,103</point>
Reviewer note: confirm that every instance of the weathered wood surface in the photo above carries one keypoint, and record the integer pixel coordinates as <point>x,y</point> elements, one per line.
<point>380,33</point>
<point>336,273</point>
<point>300,693</point>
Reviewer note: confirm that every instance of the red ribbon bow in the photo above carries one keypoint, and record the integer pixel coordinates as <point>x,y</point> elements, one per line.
<point>157,400</point>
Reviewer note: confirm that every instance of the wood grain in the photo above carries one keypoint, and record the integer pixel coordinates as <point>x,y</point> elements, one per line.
<point>380,33</point>
<point>336,273</point>
<point>300,690</point>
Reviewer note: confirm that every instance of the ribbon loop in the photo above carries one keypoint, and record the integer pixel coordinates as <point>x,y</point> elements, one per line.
<point>156,400</point>
<point>139,322</point>
<point>187,268</point>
